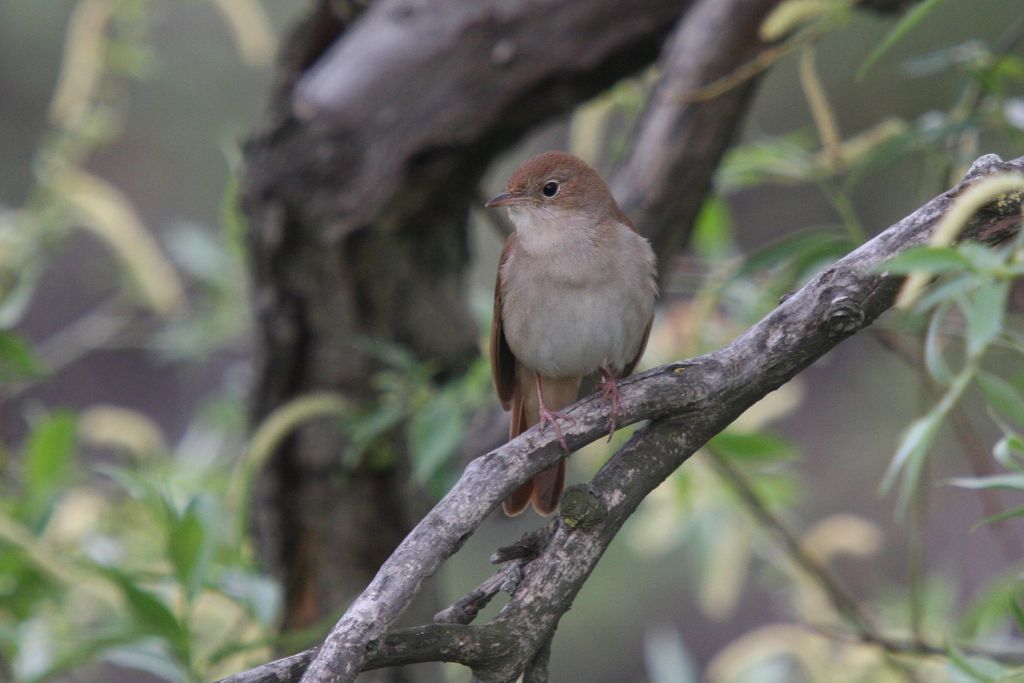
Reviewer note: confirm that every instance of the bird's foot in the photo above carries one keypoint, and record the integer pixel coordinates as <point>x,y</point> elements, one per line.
<point>551,417</point>
<point>611,397</point>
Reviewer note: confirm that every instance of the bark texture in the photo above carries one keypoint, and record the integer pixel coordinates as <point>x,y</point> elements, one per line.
<point>681,138</point>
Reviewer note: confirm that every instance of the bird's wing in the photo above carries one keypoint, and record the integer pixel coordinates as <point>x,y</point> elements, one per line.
<point>631,365</point>
<point>503,363</point>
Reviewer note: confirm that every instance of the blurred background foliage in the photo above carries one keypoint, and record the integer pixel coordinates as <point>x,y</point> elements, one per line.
<point>867,509</point>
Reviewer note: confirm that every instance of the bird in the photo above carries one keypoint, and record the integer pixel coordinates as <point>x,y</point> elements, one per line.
<point>574,295</point>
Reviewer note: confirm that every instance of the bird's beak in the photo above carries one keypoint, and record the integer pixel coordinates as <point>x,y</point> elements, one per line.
<point>505,199</point>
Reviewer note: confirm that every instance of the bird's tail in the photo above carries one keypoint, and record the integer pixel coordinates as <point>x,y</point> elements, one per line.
<point>545,489</point>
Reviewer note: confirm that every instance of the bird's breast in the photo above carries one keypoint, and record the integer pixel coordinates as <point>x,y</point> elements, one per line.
<point>568,313</point>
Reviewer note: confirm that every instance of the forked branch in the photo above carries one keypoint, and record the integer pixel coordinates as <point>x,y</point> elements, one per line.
<point>687,403</point>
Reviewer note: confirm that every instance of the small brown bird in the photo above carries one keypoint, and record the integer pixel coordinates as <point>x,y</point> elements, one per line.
<point>574,294</point>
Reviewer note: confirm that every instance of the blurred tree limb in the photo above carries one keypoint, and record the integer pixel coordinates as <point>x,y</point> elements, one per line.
<point>687,403</point>
<point>679,142</point>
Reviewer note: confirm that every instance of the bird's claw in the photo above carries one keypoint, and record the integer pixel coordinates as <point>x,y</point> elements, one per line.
<point>551,417</point>
<point>610,396</point>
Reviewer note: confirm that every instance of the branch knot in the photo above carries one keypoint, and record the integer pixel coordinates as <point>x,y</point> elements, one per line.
<point>581,508</point>
<point>845,316</point>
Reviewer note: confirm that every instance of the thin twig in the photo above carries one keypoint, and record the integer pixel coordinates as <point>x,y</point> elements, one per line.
<point>101,328</point>
<point>465,609</point>
<point>977,454</point>
<point>764,59</point>
<point>842,600</point>
<point>915,648</point>
<point>918,523</point>
<point>974,96</point>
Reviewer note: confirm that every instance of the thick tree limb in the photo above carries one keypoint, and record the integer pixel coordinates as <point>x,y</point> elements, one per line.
<point>688,403</point>
<point>441,87</point>
<point>465,609</point>
<point>285,670</point>
<point>679,141</point>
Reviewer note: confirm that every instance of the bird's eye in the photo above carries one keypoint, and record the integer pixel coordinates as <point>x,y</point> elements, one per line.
<point>550,189</point>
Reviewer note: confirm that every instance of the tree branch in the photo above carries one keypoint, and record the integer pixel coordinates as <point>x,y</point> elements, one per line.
<point>465,609</point>
<point>688,403</point>
<point>844,603</point>
<point>911,648</point>
<point>447,86</point>
<point>679,142</point>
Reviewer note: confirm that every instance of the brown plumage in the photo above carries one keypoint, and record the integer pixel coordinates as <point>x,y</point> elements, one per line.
<point>574,294</point>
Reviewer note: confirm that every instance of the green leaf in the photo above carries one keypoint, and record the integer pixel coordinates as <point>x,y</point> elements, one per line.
<point>48,461</point>
<point>1000,517</point>
<point>916,440</point>
<point>149,613</point>
<point>910,457</point>
<point>366,427</point>
<point>434,432</point>
<point>183,546</point>
<point>1008,450</point>
<point>666,657</point>
<point>18,361</point>
<point>137,485</point>
<point>934,360</point>
<point>976,667</point>
<point>17,297</point>
<point>396,357</point>
<point>713,230</point>
<point>952,289</point>
<point>261,595</point>
<point>777,490</point>
<point>151,656</point>
<point>911,19</point>
<point>783,159</point>
<point>1015,675</point>
<point>796,248</point>
<point>84,652</point>
<point>811,261</point>
<point>49,451</point>
<point>983,258</point>
<point>984,312</point>
<point>1015,607</point>
<point>189,544</point>
<point>987,613</point>
<point>925,259</point>
<point>1002,396</point>
<point>756,447</point>
<point>1012,482</point>
<point>1000,77</point>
